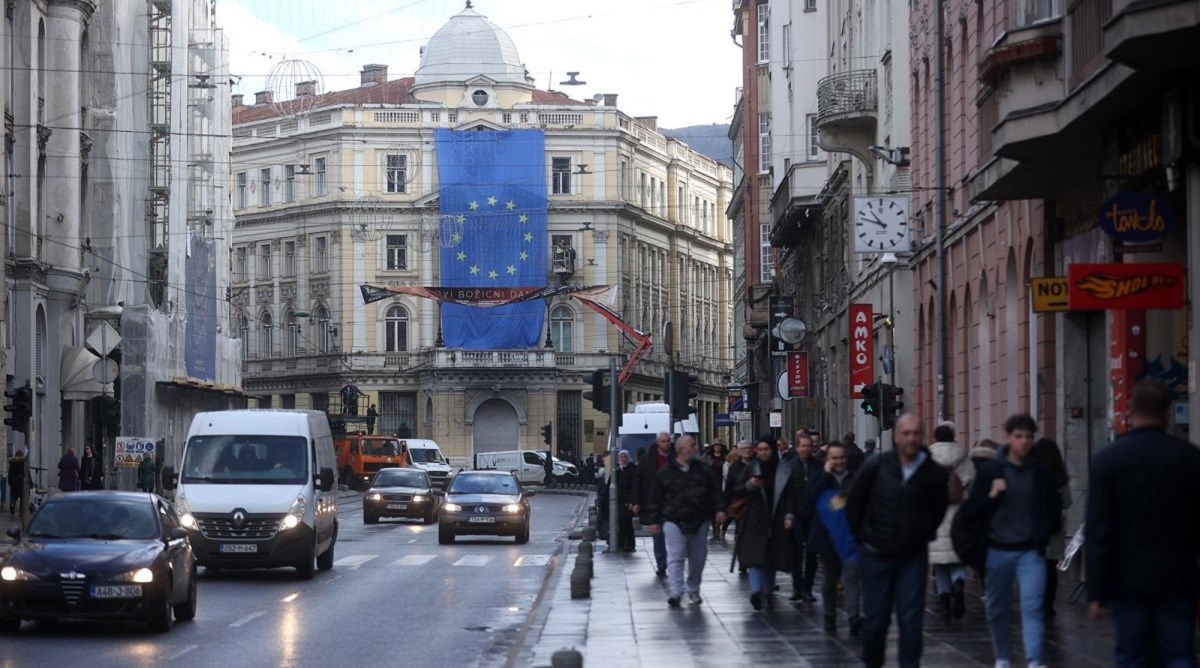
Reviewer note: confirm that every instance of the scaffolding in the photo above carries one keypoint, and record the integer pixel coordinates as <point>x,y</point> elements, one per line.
<point>158,198</point>
<point>203,111</point>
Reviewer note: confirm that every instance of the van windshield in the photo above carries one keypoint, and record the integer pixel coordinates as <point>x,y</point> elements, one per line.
<point>246,460</point>
<point>632,442</point>
<point>425,456</point>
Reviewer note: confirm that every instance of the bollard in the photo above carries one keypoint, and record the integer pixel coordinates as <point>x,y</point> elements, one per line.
<point>589,533</point>
<point>586,567</point>
<point>566,658</point>
<point>581,583</point>
<point>586,547</point>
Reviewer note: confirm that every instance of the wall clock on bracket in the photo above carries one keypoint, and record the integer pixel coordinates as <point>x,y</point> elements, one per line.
<point>880,224</point>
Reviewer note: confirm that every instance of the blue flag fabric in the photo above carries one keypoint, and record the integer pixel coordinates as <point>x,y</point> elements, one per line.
<point>833,516</point>
<point>493,204</point>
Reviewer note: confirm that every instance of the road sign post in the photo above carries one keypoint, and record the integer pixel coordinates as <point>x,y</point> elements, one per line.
<point>614,415</point>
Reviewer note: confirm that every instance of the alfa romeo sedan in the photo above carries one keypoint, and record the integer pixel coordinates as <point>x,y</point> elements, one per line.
<point>488,503</point>
<point>401,492</point>
<point>100,555</point>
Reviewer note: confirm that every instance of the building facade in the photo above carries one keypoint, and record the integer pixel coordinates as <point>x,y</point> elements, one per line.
<point>105,102</point>
<point>336,190</point>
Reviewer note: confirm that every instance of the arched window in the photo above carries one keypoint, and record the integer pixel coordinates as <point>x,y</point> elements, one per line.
<point>244,335</point>
<point>395,329</point>
<point>562,326</point>
<point>266,340</point>
<point>293,335</point>
<point>325,329</point>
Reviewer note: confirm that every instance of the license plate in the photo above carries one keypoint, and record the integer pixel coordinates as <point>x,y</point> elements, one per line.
<point>481,520</point>
<point>117,591</point>
<point>239,548</point>
<point>397,506</point>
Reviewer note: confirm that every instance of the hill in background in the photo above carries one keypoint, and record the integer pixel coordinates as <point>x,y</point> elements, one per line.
<point>711,140</point>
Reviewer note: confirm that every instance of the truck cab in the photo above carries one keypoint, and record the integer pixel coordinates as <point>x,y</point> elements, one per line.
<point>360,456</point>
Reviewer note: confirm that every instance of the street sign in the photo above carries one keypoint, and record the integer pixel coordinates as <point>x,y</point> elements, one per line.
<point>741,416</point>
<point>797,373</point>
<point>1049,294</point>
<point>105,370</point>
<point>862,341</point>
<point>776,419</point>
<point>723,420</point>
<point>103,339</point>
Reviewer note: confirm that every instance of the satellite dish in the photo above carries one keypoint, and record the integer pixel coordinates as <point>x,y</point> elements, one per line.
<point>598,98</point>
<point>791,331</point>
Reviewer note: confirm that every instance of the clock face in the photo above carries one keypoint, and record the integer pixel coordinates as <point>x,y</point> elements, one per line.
<point>881,225</point>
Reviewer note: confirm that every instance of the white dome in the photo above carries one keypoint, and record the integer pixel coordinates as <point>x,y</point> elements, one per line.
<point>468,46</point>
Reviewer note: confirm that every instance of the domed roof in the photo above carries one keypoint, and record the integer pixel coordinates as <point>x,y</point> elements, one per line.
<point>469,45</point>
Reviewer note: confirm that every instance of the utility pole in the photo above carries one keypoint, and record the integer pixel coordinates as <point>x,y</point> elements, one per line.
<point>614,417</point>
<point>939,206</point>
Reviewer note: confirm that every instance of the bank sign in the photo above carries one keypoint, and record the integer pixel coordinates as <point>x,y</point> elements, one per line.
<point>1101,287</point>
<point>1137,218</point>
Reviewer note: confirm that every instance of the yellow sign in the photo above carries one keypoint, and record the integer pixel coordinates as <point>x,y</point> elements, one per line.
<point>1050,294</point>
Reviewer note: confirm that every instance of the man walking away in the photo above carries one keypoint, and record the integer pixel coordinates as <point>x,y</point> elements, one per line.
<point>1023,502</point>
<point>949,573</point>
<point>1143,535</point>
<point>684,500</point>
<point>894,507</point>
<point>807,471</point>
<point>835,479</point>
<point>18,474</point>
<point>648,467</point>
<point>854,454</point>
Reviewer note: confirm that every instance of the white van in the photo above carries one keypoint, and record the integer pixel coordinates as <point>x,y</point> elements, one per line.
<point>646,421</point>
<point>528,465</point>
<point>425,454</point>
<point>256,490</point>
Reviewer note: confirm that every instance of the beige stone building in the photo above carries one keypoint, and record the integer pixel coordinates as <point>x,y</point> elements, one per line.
<point>333,190</point>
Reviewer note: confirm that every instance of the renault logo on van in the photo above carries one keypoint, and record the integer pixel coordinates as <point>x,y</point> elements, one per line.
<point>239,519</point>
<point>481,509</point>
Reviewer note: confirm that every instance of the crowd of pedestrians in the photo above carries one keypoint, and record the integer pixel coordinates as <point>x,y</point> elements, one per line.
<point>881,523</point>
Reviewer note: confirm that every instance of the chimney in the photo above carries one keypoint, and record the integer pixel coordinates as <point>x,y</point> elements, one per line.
<point>648,122</point>
<point>263,97</point>
<point>304,88</point>
<point>237,99</point>
<point>374,74</point>
<point>610,99</point>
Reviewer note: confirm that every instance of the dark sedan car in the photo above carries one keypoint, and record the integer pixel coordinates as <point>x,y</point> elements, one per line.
<point>488,503</point>
<point>401,492</point>
<point>100,555</point>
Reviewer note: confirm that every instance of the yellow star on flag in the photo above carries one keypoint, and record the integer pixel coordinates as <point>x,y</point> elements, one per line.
<point>528,236</point>
<point>461,256</point>
<point>510,205</point>
<point>492,274</point>
<point>523,218</point>
<point>512,269</point>
<point>474,206</point>
<point>461,219</point>
<point>491,201</point>
<point>474,270</point>
<point>456,237</point>
<point>524,255</point>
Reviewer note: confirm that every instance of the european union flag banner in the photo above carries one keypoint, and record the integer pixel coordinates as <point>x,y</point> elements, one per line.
<point>493,188</point>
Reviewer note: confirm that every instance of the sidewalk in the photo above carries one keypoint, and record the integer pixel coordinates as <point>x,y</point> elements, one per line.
<point>626,622</point>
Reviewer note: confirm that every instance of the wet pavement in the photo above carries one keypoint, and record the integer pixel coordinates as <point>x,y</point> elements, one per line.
<point>626,622</point>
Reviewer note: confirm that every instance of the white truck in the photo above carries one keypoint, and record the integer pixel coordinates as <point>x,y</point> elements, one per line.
<point>646,420</point>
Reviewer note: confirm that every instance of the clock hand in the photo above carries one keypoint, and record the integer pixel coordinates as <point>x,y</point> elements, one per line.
<point>875,219</point>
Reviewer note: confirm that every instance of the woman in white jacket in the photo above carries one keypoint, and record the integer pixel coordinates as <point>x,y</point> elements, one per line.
<point>948,571</point>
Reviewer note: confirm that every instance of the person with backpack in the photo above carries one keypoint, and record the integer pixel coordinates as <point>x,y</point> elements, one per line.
<point>949,573</point>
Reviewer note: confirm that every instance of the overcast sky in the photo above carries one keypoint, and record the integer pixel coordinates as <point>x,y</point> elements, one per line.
<point>670,58</point>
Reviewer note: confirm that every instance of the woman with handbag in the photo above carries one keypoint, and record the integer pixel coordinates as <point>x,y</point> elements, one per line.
<point>764,541</point>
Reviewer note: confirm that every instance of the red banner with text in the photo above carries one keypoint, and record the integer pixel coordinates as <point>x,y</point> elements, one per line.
<point>862,348</point>
<point>798,374</point>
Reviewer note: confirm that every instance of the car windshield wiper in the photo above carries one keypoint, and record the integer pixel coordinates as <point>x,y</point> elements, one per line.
<point>202,478</point>
<point>106,536</point>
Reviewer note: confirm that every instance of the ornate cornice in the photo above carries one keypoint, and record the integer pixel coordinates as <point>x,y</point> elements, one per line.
<point>85,7</point>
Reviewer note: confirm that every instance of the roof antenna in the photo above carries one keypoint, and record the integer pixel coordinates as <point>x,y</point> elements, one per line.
<point>469,5</point>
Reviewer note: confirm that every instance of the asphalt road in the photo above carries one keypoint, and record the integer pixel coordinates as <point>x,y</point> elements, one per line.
<point>394,597</point>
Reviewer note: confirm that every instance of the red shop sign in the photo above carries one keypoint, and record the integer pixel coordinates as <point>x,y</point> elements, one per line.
<point>862,348</point>
<point>1105,287</point>
<point>798,374</point>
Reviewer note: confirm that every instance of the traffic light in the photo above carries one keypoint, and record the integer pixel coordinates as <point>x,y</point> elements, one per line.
<point>108,414</point>
<point>20,408</point>
<point>680,393</point>
<point>870,399</point>
<point>548,433</point>
<point>599,392</point>
<point>891,405</point>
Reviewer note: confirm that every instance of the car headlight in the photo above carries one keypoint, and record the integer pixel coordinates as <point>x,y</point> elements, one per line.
<point>452,507</point>
<point>140,576</point>
<point>512,508</point>
<point>374,497</point>
<point>295,514</point>
<point>14,574</point>
<point>418,498</point>
<point>185,514</point>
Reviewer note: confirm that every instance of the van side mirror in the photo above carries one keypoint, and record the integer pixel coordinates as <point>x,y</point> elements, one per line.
<point>325,479</point>
<point>169,478</point>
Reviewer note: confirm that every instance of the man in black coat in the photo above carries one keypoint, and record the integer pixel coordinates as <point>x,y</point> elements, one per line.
<point>1143,535</point>
<point>648,467</point>
<point>894,508</point>
<point>837,478</point>
<point>626,475</point>
<point>807,470</point>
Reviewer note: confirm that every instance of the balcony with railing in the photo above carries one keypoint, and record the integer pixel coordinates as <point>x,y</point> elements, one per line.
<point>848,99</point>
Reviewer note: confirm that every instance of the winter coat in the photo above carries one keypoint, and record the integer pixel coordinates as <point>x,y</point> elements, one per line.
<point>687,498</point>
<point>949,455</point>
<point>68,473</point>
<point>731,478</point>
<point>647,469</point>
<point>625,480</point>
<point>90,473</point>
<point>762,539</point>
<point>806,474</point>
<point>891,518</point>
<point>818,534</point>
<point>981,454</point>
<point>18,475</point>
<point>145,473</point>
<point>1046,517</point>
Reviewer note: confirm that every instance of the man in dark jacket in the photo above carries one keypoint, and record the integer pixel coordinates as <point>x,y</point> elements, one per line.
<point>1023,503</point>
<point>806,471</point>
<point>894,508</point>
<point>836,478</point>
<point>1143,535</point>
<point>647,468</point>
<point>684,499</point>
<point>854,454</point>
<point>626,474</point>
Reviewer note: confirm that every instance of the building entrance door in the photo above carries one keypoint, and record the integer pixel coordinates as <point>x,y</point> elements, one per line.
<point>495,427</point>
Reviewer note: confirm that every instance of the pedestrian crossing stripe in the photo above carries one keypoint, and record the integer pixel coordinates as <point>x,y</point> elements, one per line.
<point>533,560</point>
<point>474,560</point>
<point>415,560</point>
<point>355,561</point>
